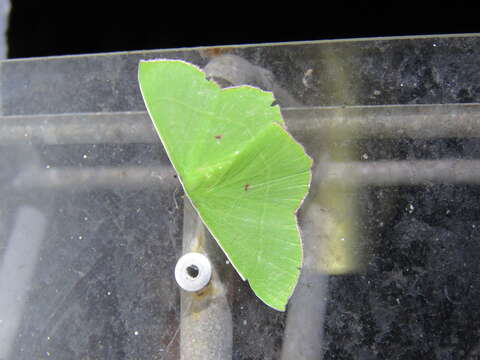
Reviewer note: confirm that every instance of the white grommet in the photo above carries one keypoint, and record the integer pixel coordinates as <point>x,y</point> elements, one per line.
<point>193,271</point>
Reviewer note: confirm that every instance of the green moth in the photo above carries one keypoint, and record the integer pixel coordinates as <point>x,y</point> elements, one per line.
<point>244,173</point>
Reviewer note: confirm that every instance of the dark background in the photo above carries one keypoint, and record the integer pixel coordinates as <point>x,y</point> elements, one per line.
<point>46,28</point>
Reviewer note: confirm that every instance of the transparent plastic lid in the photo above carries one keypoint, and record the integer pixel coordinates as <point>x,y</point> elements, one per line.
<point>93,218</point>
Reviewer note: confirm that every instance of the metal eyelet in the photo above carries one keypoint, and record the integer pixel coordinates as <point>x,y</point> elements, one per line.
<point>193,271</point>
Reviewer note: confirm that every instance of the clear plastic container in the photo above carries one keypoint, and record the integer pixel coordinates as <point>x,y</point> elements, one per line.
<point>92,219</point>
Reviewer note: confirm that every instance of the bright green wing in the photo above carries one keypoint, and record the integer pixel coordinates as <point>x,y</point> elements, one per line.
<point>243,172</point>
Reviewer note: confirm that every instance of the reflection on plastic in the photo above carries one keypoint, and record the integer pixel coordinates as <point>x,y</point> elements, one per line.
<point>303,337</point>
<point>17,267</point>
<point>330,240</point>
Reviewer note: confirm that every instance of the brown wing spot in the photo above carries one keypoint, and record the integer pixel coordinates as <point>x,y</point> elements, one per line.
<point>246,186</point>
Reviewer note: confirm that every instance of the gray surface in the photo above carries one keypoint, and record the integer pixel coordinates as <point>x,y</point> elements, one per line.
<point>4,17</point>
<point>102,282</point>
<point>206,329</point>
